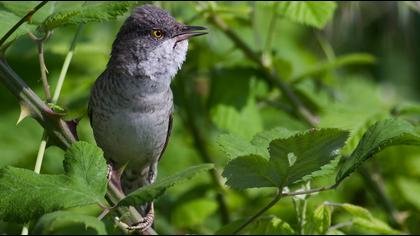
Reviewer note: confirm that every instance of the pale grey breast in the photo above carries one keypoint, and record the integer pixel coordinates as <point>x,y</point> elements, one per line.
<point>130,118</point>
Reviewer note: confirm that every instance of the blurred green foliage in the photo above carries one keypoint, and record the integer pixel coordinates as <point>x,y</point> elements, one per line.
<point>361,67</point>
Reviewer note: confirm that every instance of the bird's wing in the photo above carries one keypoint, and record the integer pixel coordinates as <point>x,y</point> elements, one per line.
<point>168,134</point>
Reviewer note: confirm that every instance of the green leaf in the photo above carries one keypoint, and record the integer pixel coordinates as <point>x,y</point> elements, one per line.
<point>263,139</point>
<point>234,146</point>
<point>270,225</point>
<point>315,14</point>
<point>7,21</point>
<point>84,14</point>
<point>381,135</point>
<point>252,171</point>
<point>363,218</point>
<point>313,149</point>
<point>320,220</point>
<point>21,8</point>
<point>357,211</point>
<point>26,195</point>
<point>290,160</point>
<point>150,192</point>
<point>57,222</point>
<point>375,225</point>
<point>183,215</point>
<point>91,170</point>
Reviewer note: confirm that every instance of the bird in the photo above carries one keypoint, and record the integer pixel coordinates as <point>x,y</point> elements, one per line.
<point>131,103</point>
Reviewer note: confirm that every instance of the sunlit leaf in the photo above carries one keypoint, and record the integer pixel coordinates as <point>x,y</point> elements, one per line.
<point>316,13</point>
<point>381,135</point>
<point>291,159</point>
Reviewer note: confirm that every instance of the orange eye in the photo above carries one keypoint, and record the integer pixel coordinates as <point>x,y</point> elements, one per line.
<point>157,34</point>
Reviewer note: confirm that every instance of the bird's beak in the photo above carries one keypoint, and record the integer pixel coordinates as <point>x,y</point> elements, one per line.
<point>190,31</point>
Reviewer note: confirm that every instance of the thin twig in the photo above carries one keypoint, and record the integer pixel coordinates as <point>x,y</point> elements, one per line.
<point>21,21</point>
<point>259,213</point>
<point>315,190</point>
<point>43,68</point>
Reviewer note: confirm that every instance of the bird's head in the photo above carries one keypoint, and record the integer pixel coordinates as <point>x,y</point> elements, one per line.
<point>153,40</point>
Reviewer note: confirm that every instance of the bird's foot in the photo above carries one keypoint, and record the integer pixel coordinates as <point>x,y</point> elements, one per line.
<point>146,222</point>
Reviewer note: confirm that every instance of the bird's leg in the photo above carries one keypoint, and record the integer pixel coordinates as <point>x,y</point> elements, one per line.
<point>149,218</point>
<point>147,221</point>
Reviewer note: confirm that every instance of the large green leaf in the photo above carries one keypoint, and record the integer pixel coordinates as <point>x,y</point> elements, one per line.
<point>92,13</point>
<point>150,192</point>
<point>381,135</point>
<point>26,195</point>
<point>252,171</point>
<point>59,221</point>
<point>312,149</point>
<point>316,13</point>
<point>291,159</point>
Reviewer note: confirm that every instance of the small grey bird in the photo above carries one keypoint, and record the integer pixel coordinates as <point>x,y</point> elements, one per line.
<point>130,106</point>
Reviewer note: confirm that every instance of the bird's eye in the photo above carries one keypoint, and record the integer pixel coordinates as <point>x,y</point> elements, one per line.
<point>158,34</point>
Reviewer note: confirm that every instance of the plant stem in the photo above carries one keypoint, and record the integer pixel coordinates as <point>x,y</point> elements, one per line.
<point>41,152</point>
<point>66,65</point>
<point>259,213</point>
<point>21,21</point>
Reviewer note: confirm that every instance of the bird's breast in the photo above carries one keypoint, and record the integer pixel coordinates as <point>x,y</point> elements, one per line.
<point>135,126</point>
